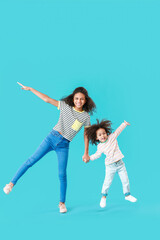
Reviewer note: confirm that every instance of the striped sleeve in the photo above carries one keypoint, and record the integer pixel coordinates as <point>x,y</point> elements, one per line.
<point>61,105</point>
<point>97,154</point>
<point>119,130</point>
<point>87,122</point>
<point>58,105</point>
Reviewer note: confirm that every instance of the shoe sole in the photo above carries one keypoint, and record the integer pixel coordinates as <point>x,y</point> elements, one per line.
<point>103,206</point>
<point>130,201</point>
<point>63,211</point>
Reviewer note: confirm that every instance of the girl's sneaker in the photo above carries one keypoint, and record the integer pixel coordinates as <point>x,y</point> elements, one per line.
<point>62,208</point>
<point>131,198</point>
<point>7,189</point>
<point>103,202</point>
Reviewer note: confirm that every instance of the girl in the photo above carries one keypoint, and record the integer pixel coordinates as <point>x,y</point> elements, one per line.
<point>101,133</point>
<point>74,113</point>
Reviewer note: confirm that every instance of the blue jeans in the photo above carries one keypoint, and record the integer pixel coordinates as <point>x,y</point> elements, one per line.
<point>54,141</point>
<point>111,169</point>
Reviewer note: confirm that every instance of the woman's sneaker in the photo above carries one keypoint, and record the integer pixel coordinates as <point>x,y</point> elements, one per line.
<point>131,198</point>
<point>103,202</point>
<point>62,208</point>
<point>7,189</point>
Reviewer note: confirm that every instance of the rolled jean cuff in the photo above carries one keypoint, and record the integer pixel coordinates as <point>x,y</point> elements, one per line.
<point>104,194</point>
<point>127,194</point>
<point>14,183</point>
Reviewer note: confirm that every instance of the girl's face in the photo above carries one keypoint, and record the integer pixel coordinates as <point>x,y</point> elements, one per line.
<point>79,100</point>
<point>101,135</point>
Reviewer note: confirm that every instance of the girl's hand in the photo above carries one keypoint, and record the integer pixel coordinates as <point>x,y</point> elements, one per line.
<point>127,123</point>
<point>24,87</point>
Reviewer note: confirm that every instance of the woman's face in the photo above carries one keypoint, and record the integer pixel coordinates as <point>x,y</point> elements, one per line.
<point>101,135</point>
<point>79,100</point>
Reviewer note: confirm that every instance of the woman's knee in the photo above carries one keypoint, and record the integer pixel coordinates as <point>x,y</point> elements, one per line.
<point>29,162</point>
<point>62,176</point>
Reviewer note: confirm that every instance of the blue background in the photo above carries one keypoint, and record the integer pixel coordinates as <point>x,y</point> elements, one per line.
<point>112,49</point>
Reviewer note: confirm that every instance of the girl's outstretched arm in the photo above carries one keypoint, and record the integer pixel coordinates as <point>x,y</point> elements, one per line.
<point>120,128</point>
<point>40,95</point>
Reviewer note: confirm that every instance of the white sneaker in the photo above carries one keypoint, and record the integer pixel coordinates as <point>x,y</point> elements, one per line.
<point>103,202</point>
<point>7,189</point>
<point>62,208</point>
<point>131,198</point>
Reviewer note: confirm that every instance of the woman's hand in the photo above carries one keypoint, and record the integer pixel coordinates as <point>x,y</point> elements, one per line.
<point>24,87</point>
<point>127,123</point>
<point>86,158</point>
<point>44,97</point>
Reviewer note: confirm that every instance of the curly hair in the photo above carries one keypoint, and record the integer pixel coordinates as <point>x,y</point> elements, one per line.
<point>91,131</point>
<point>89,106</point>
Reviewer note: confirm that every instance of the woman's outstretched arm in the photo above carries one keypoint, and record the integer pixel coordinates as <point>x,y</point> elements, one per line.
<point>40,95</point>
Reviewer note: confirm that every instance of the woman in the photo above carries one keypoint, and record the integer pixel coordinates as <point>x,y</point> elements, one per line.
<point>74,113</point>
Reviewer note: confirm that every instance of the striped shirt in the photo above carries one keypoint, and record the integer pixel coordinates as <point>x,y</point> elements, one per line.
<point>110,147</point>
<point>70,121</point>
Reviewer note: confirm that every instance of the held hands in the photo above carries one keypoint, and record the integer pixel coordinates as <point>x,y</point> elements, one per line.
<point>86,158</point>
<point>127,123</point>
<point>24,87</point>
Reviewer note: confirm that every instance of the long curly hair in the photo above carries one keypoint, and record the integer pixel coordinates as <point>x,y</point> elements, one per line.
<point>89,106</point>
<point>91,131</point>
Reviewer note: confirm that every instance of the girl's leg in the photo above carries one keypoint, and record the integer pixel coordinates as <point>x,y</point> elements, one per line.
<point>124,178</point>
<point>39,153</point>
<point>125,182</point>
<point>62,154</point>
<point>110,172</point>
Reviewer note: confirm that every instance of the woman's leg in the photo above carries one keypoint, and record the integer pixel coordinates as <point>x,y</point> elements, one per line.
<point>62,154</point>
<point>39,153</point>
